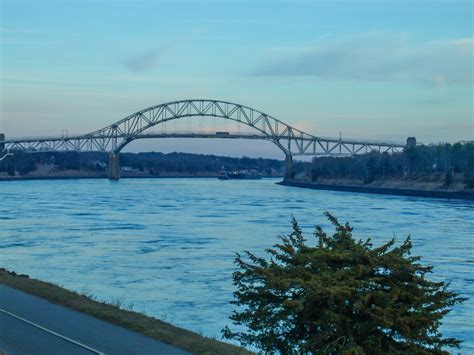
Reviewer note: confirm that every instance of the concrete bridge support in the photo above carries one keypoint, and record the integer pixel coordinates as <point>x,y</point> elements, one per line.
<point>113,172</point>
<point>288,167</point>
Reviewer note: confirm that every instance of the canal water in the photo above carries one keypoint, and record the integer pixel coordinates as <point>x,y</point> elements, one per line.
<point>166,246</point>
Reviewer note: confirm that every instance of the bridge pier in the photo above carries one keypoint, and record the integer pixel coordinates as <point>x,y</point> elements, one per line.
<point>289,173</point>
<point>113,172</point>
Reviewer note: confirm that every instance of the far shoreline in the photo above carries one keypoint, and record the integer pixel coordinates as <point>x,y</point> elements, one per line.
<point>87,175</point>
<point>26,178</point>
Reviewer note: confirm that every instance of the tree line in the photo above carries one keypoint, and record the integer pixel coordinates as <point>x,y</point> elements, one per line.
<point>153,162</point>
<point>446,159</point>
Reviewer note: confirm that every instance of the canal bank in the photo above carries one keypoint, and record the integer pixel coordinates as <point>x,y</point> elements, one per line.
<point>64,321</point>
<point>124,176</point>
<point>464,195</point>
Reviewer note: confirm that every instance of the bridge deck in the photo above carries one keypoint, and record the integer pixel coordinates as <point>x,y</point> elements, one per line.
<point>306,145</point>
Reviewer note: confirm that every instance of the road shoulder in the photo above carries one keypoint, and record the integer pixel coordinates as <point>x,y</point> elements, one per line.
<point>73,306</point>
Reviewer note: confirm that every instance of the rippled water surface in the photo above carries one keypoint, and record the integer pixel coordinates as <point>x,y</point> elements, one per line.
<point>166,246</point>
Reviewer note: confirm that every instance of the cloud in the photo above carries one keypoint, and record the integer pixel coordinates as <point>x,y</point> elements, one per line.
<point>376,57</point>
<point>148,61</point>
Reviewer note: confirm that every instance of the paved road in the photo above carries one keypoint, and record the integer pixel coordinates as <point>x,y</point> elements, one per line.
<point>85,334</point>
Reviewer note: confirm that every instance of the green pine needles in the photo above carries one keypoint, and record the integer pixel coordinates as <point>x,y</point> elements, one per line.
<point>340,296</point>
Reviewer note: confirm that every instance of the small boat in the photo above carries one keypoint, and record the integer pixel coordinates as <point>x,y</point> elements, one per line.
<point>236,175</point>
<point>240,175</point>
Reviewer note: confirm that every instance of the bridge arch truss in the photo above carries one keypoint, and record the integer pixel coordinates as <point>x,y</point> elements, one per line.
<point>113,138</point>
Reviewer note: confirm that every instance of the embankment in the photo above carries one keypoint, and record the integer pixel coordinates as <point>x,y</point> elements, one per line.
<point>401,190</point>
<point>89,174</point>
<point>134,321</point>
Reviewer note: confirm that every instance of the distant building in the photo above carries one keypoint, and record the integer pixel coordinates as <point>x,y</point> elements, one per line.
<point>411,142</point>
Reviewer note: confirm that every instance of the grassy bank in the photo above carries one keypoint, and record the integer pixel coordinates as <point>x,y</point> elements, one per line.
<point>137,322</point>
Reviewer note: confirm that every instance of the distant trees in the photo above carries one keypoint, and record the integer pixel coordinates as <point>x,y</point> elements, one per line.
<point>448,178</point>
<point>469,180</point>
<point>196,163</point>
<point>371,168</point>
<point>153,162</point>
<point>339,295</point>
<point>68,160</point>
<point>20,162</point>
<point>457,158</point>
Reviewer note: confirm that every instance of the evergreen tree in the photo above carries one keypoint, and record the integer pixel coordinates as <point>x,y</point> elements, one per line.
<point>10,169</point>
<point>340,296</point>
<point>448,178</point>
<point>468,180</point>
<point>371,169</point>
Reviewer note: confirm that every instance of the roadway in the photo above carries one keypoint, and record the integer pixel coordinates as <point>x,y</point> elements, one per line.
<point>32,325</point>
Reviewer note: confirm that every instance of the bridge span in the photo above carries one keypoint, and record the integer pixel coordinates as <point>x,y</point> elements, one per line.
<point>113,138</point>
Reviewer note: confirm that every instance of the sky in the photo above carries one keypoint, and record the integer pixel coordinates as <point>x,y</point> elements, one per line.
<point>383,70</point>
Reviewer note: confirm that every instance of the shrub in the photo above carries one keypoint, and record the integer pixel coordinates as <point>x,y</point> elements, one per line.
<point>339,296</point>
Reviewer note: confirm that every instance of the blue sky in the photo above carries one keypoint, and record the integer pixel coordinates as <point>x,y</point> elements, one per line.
<point>369,69</point>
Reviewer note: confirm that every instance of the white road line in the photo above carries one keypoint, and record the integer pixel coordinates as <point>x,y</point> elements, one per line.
<point>53,333</point>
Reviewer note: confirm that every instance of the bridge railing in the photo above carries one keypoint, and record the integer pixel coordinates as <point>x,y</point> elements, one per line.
<point>142,135</point>
<point>345,140</point>
<point>43,137</point>
<point>361,141</point>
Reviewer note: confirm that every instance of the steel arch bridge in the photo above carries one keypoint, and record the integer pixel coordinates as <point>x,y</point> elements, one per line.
<point>113,138</point>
